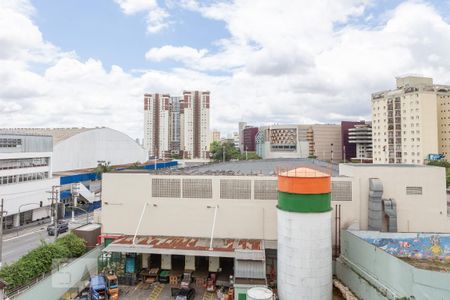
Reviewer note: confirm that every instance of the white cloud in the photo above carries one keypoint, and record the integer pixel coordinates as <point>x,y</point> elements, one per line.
<point>283,63</point>
<point>183,54</point>
<point>156,16</point>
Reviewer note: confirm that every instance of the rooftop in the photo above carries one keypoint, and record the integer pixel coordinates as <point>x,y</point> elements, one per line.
<point>262,167</point>
<point>250,249</point>
<point>58,134</point>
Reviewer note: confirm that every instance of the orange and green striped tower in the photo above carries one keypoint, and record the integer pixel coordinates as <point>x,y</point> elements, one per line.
<point>304,235</point>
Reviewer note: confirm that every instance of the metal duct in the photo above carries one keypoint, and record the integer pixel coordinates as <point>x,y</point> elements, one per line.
<point>375,218</point>
<point>390,209</point>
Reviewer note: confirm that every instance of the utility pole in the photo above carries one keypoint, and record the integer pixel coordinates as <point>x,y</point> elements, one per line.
<point>1,231</point>
<point>75,192</point>
<point>54,208</point>
<point>246,153</point>
<point>331,152</point>
<point>344,155</point>
<point>223,152</point>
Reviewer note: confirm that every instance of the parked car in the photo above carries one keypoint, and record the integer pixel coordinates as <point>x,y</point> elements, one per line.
<point>186,294</point>
<point>62,226</point>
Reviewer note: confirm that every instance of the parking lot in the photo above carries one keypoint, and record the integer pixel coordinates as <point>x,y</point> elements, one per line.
<point>157,291</point>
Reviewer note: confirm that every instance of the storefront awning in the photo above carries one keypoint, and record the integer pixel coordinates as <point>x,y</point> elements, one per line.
<point>240,248</point>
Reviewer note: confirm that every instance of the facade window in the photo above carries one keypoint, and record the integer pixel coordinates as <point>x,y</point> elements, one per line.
<point>10,143</point>
<point>413,190</point>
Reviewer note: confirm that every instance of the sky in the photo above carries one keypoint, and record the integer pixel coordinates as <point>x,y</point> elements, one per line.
<point>84,63</point>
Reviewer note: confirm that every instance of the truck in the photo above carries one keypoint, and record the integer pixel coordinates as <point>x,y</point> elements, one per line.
<point>112,286</point>
<point>98,288</point>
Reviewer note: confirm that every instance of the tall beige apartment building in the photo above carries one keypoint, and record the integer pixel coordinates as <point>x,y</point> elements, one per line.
<point>157,124</point>
<point>177,125</point>
<point>194,117</point>
<point>411,121</point>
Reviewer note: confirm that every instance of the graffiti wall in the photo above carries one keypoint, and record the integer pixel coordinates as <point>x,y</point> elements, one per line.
<point>420,246</point>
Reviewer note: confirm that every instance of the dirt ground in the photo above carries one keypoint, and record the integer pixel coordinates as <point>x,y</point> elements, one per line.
<point>428,264</point>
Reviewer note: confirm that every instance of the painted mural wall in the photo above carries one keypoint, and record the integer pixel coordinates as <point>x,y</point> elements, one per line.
<point>419,246</point>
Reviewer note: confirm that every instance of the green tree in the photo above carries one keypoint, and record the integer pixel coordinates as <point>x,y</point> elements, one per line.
<point>103,167</point>
<point>74,244</point>
<point>250,155</point>
<point>217,149</point>
<point>41,260</point>
<point>442,163</point>
<point>136,165</point>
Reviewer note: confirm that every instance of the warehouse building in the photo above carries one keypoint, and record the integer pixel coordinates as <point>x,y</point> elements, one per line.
<point>224,216</point>
<point>83,148</point>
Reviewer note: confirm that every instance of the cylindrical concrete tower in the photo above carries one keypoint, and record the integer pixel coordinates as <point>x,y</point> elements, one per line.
<point>304,235</point>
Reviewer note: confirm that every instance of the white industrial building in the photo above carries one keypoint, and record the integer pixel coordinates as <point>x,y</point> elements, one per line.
<point>230,211</point>
<point>282,141</point>
<point>33,160</point>
<point>25,178</point>
<point>83,148</point>
<point>322,141</point>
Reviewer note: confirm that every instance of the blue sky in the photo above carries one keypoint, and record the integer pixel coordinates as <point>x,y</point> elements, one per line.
<point>98,29</point>
<point>72,63</point>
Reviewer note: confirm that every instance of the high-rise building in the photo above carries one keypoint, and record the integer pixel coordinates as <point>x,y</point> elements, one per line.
<point>242,126</point>
<point>194,109</point>
<point>411,121</point>
<point>361,137</point>
<point>215,136</point>
<point>156,124</point>
<point>348,148</point>
<point>177,125</point>
<point>249,138</point>
<point>325,141</point>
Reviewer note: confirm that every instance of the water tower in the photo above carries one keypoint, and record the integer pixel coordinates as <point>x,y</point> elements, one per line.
<point>304,235</point>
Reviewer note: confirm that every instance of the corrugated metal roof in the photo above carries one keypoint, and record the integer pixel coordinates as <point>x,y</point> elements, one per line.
<point>58,134</point>
<point>253,249</point>
<point>250,269</point>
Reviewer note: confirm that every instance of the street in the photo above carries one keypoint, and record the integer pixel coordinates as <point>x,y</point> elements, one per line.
<point>15,246</point>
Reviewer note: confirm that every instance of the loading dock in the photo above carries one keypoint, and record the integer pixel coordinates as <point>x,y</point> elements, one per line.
<point>226,263</point>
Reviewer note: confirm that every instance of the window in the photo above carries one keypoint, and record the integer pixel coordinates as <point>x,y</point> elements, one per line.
<point>413,190</point>
<point>10,143</point>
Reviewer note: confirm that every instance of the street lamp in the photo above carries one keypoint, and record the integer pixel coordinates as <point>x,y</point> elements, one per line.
<point>331,152</point>
<point>26,204</point>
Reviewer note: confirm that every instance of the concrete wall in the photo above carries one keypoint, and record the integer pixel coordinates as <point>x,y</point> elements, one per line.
<point>415,213</point>
<point>85,149</point>
<point>67,277</point>
<point>372,273</point>
<point>181,216</point>
<point>236,218</point>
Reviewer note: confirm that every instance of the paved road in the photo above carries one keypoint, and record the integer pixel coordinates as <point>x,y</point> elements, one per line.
<point>15,247</point>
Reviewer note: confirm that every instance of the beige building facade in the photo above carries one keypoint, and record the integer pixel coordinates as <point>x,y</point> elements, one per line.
<point>177,125</point>
<point>325,141</point>
<point>184,205</point>
<point>411,122</point>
